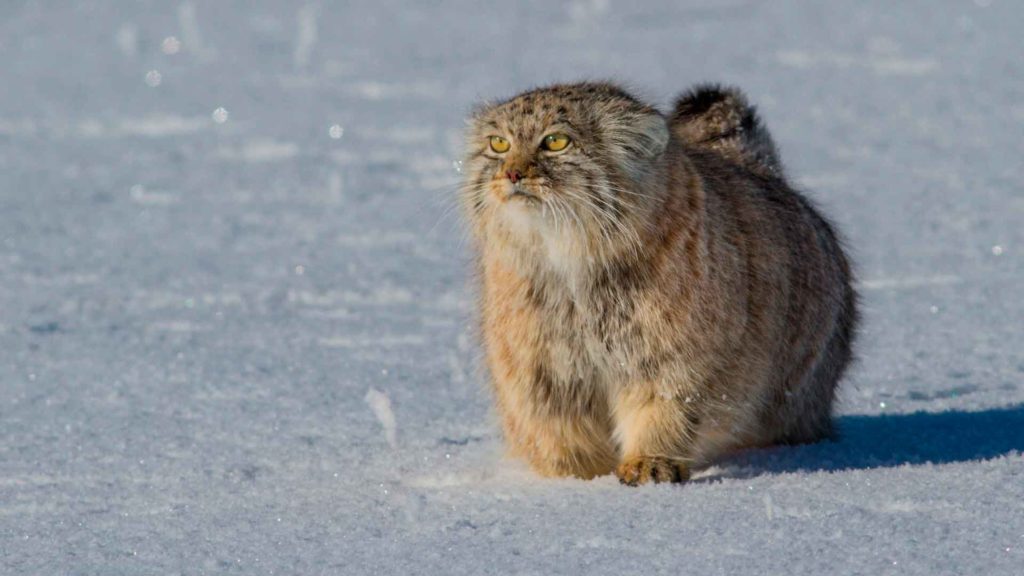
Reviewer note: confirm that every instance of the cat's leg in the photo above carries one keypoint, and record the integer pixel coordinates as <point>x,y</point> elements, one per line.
<point>552,415</point>
<point>557,434</point>
<point>555,440</point>
<point>560,445</point>
<point>654,431</point>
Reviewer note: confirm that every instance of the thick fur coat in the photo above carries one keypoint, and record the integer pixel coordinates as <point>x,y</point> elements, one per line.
<point>655,294</point>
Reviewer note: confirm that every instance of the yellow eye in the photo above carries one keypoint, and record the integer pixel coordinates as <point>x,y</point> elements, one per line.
<point>499,144</point>
<point>555,142</point>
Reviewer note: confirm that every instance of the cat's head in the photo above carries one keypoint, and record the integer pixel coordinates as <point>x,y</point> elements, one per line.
<point>567,164</point>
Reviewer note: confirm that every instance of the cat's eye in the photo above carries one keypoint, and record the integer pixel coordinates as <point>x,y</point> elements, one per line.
<point>555,142</point>
<point>499,144</point>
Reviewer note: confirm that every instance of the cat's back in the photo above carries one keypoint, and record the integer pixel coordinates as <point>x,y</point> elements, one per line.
<point>727,144</point>
<point>797,295</point>
<point>788,250</point>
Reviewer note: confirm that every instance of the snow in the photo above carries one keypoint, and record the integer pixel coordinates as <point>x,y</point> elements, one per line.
<point>381,406</point>
<point>243,346</point>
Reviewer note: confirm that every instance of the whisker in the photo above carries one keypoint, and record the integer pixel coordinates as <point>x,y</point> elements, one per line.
<point>579,221</point>
<point>607,222</point>
<point>631,193</point>
<point>607,219</point>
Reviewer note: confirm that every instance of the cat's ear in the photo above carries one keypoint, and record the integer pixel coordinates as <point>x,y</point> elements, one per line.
<point>636,137</point>
<point>651,134</point>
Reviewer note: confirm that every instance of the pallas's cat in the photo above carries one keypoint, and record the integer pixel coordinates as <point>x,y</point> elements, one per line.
<point>653,293</point>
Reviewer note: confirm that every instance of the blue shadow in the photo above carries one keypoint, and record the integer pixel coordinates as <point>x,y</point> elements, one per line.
<point>890,440</point>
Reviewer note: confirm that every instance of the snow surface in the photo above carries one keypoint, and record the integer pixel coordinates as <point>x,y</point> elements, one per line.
<point>233,338</point>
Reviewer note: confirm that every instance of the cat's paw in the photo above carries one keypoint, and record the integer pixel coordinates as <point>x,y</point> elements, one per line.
<point>644,469</point>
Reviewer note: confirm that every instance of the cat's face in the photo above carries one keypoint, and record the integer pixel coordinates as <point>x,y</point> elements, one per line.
<point>567,158</point>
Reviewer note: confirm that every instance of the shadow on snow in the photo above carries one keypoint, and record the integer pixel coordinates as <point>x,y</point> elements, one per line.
<point>866,442</point>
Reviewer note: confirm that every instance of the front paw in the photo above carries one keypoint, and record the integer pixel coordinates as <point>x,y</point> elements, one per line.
<point>644,469</point>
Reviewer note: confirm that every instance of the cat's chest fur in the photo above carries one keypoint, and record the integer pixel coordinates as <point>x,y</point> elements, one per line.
<point>589,327</point>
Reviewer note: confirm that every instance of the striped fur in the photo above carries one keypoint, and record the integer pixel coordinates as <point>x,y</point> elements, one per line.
<point>655,295</point>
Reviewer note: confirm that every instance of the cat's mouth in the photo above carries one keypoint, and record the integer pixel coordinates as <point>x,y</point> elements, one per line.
<point>518,192</point>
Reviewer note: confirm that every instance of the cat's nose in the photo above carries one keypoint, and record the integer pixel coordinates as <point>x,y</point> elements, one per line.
<point>513,175</point>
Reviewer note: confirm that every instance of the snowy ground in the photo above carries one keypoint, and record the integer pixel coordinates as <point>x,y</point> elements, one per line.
<point>235,342</point>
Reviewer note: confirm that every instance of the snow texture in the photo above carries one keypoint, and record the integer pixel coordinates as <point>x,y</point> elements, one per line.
<point>233,339</point>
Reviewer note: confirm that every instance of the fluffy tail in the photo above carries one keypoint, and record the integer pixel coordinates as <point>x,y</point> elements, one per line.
<point>720,119</point>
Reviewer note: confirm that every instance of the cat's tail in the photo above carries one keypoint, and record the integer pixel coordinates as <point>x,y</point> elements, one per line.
<point>720,119</point>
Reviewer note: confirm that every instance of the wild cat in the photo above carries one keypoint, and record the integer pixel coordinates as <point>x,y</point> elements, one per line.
<point>653,293</point>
